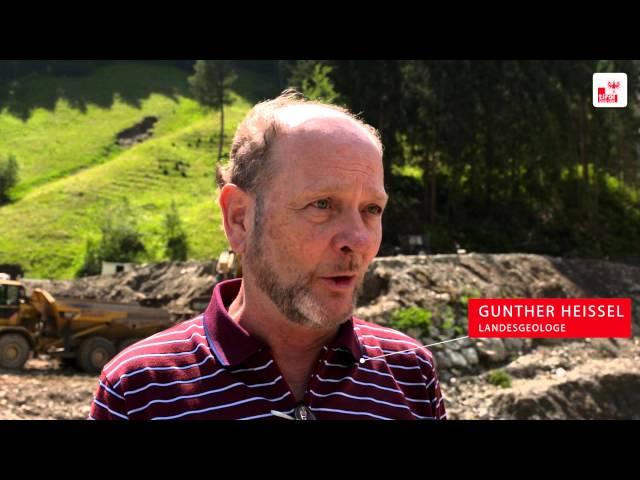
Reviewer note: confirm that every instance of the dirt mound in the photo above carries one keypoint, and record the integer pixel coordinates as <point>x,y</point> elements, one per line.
<point>598,390</point>
<point>170,285</point>
<point>592,378</point>
<point>140,132</point>
<point>440,284</point>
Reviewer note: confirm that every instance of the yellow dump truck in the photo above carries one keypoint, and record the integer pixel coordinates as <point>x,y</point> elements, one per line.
<point>87,332</point>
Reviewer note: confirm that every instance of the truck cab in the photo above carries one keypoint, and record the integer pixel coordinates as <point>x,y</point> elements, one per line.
<point>12,295</point>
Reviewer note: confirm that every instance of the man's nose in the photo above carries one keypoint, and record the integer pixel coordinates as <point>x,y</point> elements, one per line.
<point>353,235</point>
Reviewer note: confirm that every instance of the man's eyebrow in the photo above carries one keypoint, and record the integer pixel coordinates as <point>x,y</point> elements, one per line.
<point>325,188</point>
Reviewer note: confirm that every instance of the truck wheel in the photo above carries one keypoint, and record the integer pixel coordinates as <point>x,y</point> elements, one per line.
<point>127,343</point>
<point>94,353</point>
<point>14,351</point>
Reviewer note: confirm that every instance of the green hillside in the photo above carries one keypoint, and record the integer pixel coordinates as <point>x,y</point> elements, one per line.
<point>72,171</point>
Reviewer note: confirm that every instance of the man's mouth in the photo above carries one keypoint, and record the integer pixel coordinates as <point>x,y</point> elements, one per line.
<point>340,282</point>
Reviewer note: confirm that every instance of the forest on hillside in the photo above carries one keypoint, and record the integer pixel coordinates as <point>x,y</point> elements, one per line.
<point>490,156</point>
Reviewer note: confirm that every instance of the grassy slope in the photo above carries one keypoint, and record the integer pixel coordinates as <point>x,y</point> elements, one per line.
<point>71,173</point>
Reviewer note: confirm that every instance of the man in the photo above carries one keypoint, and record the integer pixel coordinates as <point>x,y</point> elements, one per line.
<point>301,198</point>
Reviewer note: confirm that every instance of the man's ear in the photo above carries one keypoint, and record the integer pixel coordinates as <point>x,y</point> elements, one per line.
<point>235,206</point>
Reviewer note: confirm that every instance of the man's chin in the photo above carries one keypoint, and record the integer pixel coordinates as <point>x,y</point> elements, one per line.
<point>335,311</point>
<point>328,323</point>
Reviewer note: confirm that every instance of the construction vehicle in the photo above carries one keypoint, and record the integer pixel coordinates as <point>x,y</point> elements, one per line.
<point>87,332</point>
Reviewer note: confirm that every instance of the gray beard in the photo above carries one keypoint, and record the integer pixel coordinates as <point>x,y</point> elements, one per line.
<point>296,300</point>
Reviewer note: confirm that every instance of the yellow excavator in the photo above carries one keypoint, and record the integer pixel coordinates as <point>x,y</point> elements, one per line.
<point>87,332</point>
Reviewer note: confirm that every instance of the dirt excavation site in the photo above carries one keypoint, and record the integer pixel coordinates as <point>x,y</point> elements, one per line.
<point>486,378</point>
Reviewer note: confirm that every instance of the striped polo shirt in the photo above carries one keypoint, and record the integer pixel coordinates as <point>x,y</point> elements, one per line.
<point>210,367</point>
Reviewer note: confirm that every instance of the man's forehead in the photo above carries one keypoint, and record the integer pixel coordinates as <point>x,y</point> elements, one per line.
<point>318,128</point>
<point>316,142</point>
<point>308,121</point>
<point>325,184</point>
<point>322,156</point>
<point>293,116</point>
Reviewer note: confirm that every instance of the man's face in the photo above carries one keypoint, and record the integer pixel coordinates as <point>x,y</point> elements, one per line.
<point>318,221</point>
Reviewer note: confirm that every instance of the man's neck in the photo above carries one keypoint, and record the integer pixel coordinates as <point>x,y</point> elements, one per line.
<point>295,348</point>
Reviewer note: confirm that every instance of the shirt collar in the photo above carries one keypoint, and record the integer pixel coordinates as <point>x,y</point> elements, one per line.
<point>232,344</point>
<point>229,342</point>
<point>347,339</point>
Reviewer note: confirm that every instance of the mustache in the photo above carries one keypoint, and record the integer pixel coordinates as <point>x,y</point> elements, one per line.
<point>351,268</point>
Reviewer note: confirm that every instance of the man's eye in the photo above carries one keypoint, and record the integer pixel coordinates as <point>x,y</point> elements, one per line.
<point>322,204</point>
<point>374,209</point>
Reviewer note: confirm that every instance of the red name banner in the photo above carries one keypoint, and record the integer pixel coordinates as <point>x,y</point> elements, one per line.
<point>550,317</point>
